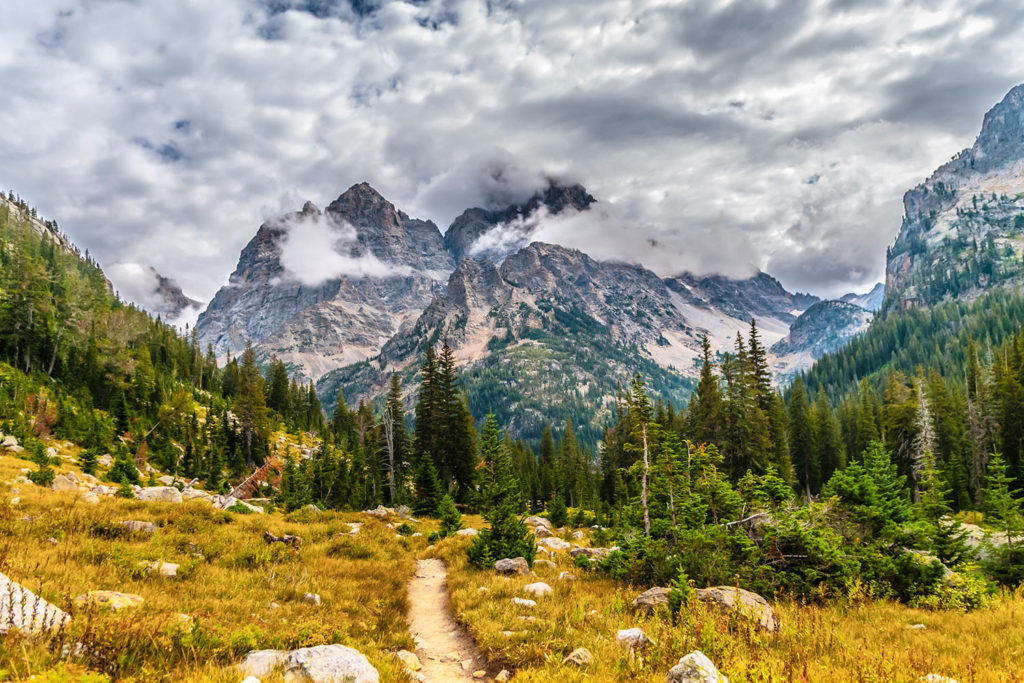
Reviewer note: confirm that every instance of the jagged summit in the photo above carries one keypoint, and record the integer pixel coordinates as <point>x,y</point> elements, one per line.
<point>509,228</point>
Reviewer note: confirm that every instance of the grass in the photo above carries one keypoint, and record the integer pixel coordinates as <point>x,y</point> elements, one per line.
<point>237,593</point>
<point>867,641</point>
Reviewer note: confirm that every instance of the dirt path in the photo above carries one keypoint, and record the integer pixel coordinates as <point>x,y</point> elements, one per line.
<point>443,647</point>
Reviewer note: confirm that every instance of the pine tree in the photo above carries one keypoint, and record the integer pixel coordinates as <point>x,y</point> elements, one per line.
<point>451,518</point>
<point>395,438</point>
<point>547,464</point>
<point>429,491</point>
<point>278,396</point>
<point>706,414</point>
<point>250,406</point>
<point>644,431</point>
<point>801,446</point>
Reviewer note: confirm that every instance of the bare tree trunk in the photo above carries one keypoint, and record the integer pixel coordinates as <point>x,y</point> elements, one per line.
<point>53,357</point>
<point>389,436</point>
<point>643,486</point>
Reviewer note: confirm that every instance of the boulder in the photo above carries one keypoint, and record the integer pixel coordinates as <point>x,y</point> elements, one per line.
<point>135,526</point>
<point>319,664</point>
<point>635,638</point>
<point>250,679</point>
<point>166,569</point>
<point>695,668</point>
<point>380,511</point>
<point>111,600</point>
<point>651,601</point>
<point>105,460</point>
<point>160,494</point>
<point>937,678</point>
<point>409,660</point>
<point>515,565</point>
<point>521,602</point>
<point>63,482</point>
<point>535,521</point>
<point>542,532</point>
<point>166,480</point>
<point>9,442</point>
<point>90,497</point>
<point>503,676</point>
<point>566,576</point>
<point>190,493</point>
<point>544,563</point>
<point>468,531</point>
<point>24,611</point>
<point>554,543</point>
<point>311,508</point>
<point>746,602</point>
<point>581,656</point>
<point>311,598</point>
<point>594,554</point>
<point>577,535</point>
<point>537,590</point>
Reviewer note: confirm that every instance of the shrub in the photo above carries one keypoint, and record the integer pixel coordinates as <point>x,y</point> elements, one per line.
<point>404,529</point>
<point>124,490</point>
<point>42,476</point>
<point>558,513</point>
<point>451,518</point>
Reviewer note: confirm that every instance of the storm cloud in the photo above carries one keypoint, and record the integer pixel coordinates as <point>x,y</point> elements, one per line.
<point>717,135</point>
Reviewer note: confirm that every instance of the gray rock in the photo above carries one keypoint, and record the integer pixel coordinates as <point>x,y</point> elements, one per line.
<point>468,531</point>
<point>634,638</point>
<point>544,563</point>
<point>24,611</point>
<point>581,656</point>
<point>160,494</point>
<point>695,668</point>
<point>165,569</point>
<point>515,565</point>
<point>747,603</point>
<point>554,543</point>
<point>537,522</point>
<point>577,535</point>
<point>650,601</point>
<point>105,460</point>
<point>190,493</point>
<point>9,442</point>
<point>312,598</point>
<point>936,678</point>
<point>521,602</point>
<point>135,526</point>
<point>320,664</point>
<point>62,482</point>
<point>595,554</point>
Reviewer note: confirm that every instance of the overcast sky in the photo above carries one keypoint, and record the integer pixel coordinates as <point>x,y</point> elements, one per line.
<point>717,135</point>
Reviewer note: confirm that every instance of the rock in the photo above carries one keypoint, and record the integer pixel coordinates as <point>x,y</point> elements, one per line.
<point>22,610</point>
<point>405,512</point>
<point>635,638</point>
<point>250,679</point>
<point>167,569</point>
<point>503,676</point>
<point>592,553</point>
<point>554,543</point>
<point>311,598</point>
<point>90,497</point>
<point>160,494</point>
<point>936,678</point>
<point>695,668</point>
<point>380,511</point>
<point>105,460</point>
<point>566,576</point>
<point>468,531</point>
<point>917,627</point>
<point>101,490</point>
<point>542,532</point>
<point>748,603</point>
<point>535,521</point>
<point>134,526</point>
<point>312,508</point>
<point>319,664</point>
<point>544,563</point>
<point>51,540</point>
<point>409,660</point>
<point>577,535</point>
<point>520,602</point>
<point>516,565</point>
<point>651,600</point>
<point>16,449</point>
<point>166,480</point>
<point>9,442</point>
<point>111,600</point>
<point>62,482</point>
<point>538,590</point>
<point>354,527</point>
<point>190,493</point>
<point>481,589</point>
<point>466,664</point>
<point>581,656</point>
<point>480,675</point>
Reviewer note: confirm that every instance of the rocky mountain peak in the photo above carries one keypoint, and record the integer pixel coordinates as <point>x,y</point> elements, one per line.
<point>363,206</point>
<point>507,229</point>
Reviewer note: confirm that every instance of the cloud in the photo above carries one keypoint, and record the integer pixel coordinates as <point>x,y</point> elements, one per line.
<point>317,248</point>
<point>165,133</point>
<point>145,287</point>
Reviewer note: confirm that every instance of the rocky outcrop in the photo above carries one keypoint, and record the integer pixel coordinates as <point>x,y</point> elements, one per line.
<point>160,494</point>
<point>319,664</point>
<point>650,601</point>
<point>514,565</point>
<point>825,327</point>
<point>961,231</point>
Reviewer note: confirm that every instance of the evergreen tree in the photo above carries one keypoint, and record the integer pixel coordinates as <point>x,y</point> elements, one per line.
<point>250,406</point>
<point>428,488</point>
<point>801,445</point>
<point>278,395</point>
<point>451,518</point>
<point>706,415</point>
<point>547,464</point>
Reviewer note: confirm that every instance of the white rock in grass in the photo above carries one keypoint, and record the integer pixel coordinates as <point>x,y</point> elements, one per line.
<point>167,569</point>
<point>537,590</point>
<point>468,531</point>
<point>937,678</point>
<point>311,598</point>
<point>520,602</point>
<point>250,679</point>
<point>581,656</point>
<point>554,543</point>
<point>409,660</point>
<point>633,637</point>
<point>695,668</point>
<point>320,664</point>
<point>160,494</point>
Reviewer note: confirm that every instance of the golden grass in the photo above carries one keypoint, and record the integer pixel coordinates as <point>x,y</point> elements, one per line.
<point>227,581</point>
<point>867,642</point>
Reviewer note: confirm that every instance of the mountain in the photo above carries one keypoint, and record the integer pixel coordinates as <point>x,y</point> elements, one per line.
<point>872,301</point>
<point>385,269</point>
<point>463,237</point>
<point>963,228</point>
<point>169,301</point>
<point>552,333</point>
<point>825,327</point>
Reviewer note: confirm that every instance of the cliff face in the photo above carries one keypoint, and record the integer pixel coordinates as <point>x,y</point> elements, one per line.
<point>963,228</point>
